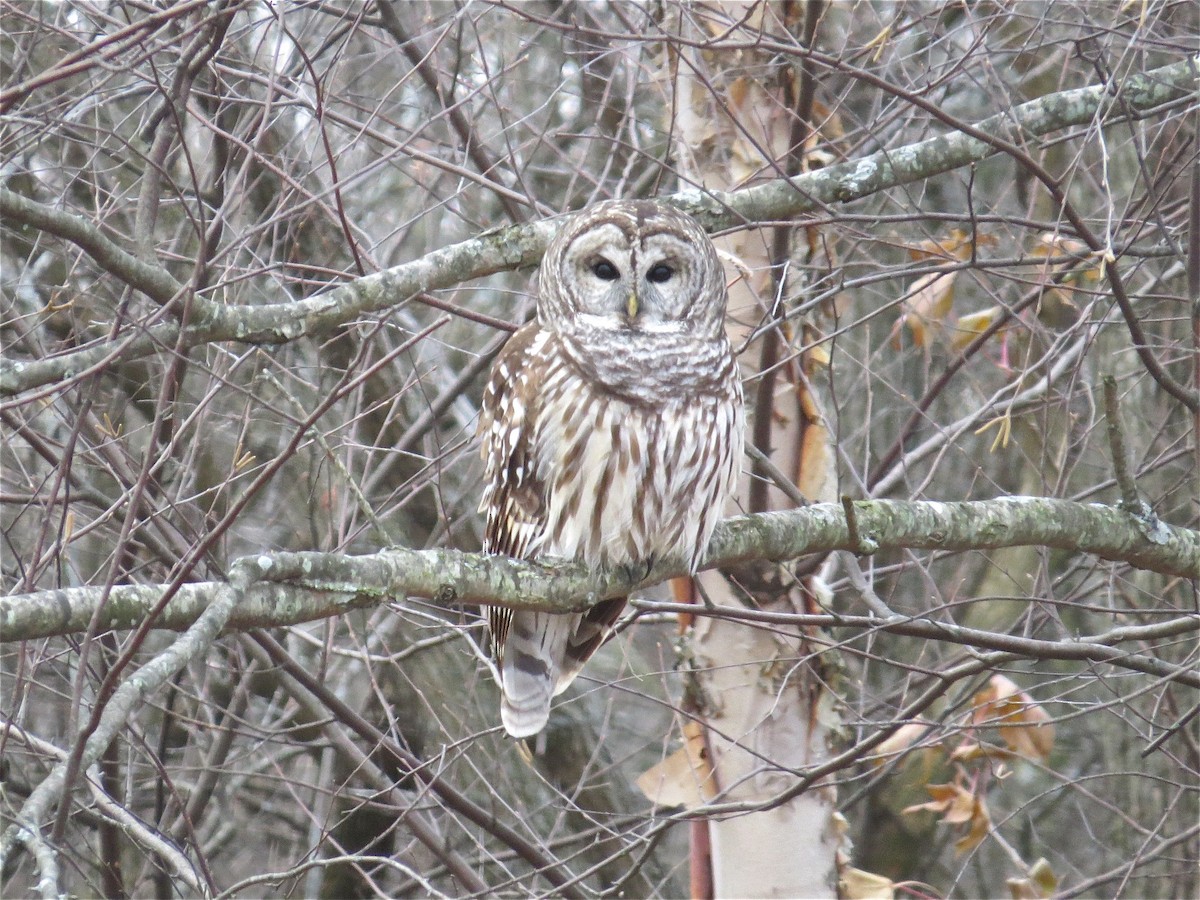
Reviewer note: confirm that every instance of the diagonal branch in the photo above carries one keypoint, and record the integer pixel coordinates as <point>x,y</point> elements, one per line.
<point>522,246</point>
<point>153,281</point>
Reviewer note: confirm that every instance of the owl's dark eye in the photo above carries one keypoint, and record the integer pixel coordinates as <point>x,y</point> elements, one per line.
<point>605,271</point>
<point>660,273</point>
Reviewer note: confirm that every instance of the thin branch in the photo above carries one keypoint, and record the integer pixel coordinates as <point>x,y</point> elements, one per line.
<point>153,281</point>
<point>1101,647</point>
<point>98,52</point>
<point>359,762</point>
<point>150,839</point>
<point>26,829</point>
<point>399,761</point>
<point>1116,443</point>
<point>467,137</point>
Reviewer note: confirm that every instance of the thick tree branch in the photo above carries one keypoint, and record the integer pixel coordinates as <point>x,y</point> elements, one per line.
<point>518,246</point>
<point>299,587</point>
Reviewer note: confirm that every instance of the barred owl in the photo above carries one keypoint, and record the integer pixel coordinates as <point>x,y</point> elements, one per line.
<point>612,428</point>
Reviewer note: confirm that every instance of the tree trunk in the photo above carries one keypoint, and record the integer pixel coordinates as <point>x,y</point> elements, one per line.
<point>760,693</point>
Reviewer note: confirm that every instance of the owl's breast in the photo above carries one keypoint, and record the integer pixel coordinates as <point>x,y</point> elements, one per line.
<point>654,370</point>
<point>627,481</point>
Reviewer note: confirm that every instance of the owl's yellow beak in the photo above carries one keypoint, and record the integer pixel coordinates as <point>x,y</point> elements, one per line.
<point>631,305</point>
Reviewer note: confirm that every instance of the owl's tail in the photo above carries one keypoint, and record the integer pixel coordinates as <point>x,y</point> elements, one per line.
<point>543,652</point>
<point>531,667</point>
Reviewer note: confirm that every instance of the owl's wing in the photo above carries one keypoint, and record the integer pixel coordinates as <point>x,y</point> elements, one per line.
<point>537,654</point>
<point>514,497</point>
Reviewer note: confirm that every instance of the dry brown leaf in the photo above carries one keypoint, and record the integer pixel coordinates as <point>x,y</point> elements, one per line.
<point>1043,876</point>
<point>1003,425</point>
<point>1057,309</point>
<point>1051,244</point>
<point>738,89</point>
<point>828,122</point>
<point>878,43</point>
<point>953,802</point>
<point>981,824</point>
<point>957,245</point>
<point>1056,245</point>
<point>821,143</point>
<point>1041,883</point>
<point>970,326</point>
<point>816,357</point>
<point>926,308</point>
<point>855,884</point>
<point>816,466</point>
<point>969,751</point>
<point>958,806</point>
<point>1024,726</point>
<point>745,162</point>
<point>817,462</point>
<point>900,740</point>
<point>686,777</point>
<point>961,807</point>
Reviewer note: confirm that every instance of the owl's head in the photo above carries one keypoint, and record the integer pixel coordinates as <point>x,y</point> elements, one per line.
<point>639,268</point>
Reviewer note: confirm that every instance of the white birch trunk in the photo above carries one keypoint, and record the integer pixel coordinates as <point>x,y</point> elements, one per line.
<point>764,713</point>
<point>764,704</point>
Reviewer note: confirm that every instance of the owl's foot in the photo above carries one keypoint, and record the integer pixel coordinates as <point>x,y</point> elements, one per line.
<point>639,571</point>
<point>629,571</point>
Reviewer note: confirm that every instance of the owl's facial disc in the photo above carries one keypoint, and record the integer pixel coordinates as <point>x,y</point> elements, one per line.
<point>647,285</point>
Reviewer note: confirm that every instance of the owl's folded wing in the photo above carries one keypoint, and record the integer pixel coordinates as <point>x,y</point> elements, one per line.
<point>513,497</point>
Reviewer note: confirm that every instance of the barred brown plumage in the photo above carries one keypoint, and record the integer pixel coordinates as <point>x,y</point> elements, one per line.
<point>612,428</point>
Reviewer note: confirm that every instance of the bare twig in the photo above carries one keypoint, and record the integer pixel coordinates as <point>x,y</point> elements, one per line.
<point>1116,442</point>
<point>193,643</point>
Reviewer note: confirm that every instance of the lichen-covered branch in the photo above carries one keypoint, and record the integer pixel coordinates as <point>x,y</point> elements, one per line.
<point>518,246</point>
<point>299,587</point>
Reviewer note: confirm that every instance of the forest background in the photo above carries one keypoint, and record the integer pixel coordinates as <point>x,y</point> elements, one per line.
<point>257,259</point>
